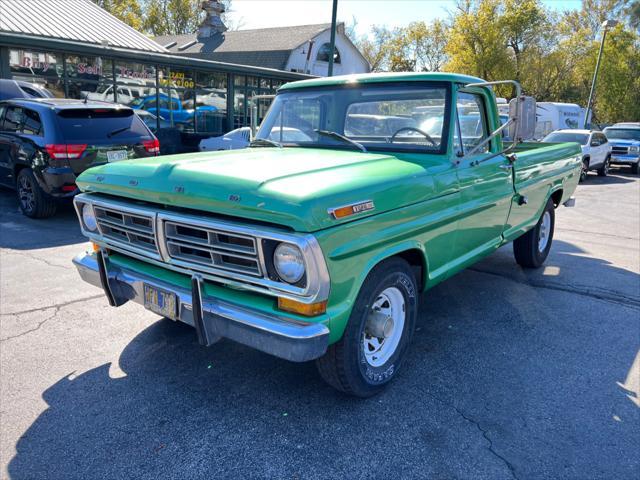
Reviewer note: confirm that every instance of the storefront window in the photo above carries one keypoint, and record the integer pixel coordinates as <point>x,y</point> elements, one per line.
<point>96,69</point>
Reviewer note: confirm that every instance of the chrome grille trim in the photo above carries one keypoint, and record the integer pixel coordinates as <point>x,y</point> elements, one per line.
<point>620,150</point>
<point>251,277</point>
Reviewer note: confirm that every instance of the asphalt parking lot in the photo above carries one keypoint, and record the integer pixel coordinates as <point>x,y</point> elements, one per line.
<point>512,374</point>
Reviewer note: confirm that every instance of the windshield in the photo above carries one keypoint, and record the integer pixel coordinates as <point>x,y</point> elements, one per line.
<point>558,137</point>
<point>395,117</point>
<point>623,133</point>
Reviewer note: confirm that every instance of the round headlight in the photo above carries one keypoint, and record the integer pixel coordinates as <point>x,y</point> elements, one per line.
<point>289,262</point>
<point>88,218</point>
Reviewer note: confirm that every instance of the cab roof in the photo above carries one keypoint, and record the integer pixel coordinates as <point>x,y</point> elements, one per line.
<point>382,78</point>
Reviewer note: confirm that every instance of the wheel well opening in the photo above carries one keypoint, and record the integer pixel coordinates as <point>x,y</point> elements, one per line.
<point>16,171</point>
<point>415,259</point>
<point>556,197</point>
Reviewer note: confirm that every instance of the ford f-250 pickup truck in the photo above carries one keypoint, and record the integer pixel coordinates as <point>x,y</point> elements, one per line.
<point>316,242</point>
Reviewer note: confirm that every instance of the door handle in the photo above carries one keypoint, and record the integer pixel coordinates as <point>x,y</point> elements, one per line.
<point>506,166</point>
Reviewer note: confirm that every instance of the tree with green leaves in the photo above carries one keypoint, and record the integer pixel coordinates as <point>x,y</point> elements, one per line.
<point>128,11</point>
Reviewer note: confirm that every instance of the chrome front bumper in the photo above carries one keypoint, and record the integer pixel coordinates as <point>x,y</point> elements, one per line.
<point>211,317</point>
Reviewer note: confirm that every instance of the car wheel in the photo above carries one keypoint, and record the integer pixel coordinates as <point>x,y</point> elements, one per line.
<point>33,201</point>
<point>603,171</point>
<point>585,170</point>
<point>532,248</point>
<point>379,330</point>
<point>635,168</point>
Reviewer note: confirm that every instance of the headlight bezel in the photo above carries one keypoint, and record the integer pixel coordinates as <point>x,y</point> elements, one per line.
<point>634,149</point>
<point>291,250</point>
<point>87,211</point>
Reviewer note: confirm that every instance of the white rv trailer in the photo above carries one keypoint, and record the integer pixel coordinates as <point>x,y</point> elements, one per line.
<point>553,116</point>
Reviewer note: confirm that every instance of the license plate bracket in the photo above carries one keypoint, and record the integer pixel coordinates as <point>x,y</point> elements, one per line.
<point>116,155</point>
<point>160,301</point>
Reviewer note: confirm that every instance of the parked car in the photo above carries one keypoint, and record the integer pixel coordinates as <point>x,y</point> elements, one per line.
<point>125,93</point>
<point>319,248</point>
<point>233,140</point>
<point>46,143</point>
<point>596,149</point>
<point>625,144</point>
<point>241,138</point>
<point>151,120</point>
<point>19,89</point>
<point>160,106</point>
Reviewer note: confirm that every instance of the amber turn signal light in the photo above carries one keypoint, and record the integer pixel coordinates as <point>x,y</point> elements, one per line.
<point>95,247</point>
<point>306,309</point>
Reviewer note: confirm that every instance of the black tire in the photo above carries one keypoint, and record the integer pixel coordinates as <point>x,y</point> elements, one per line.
<point>33,201</point>
<point>527,247</point>
<point>345,366</point>
<point>635,168</point>
<point>585,170</point>
<point>603,171</point>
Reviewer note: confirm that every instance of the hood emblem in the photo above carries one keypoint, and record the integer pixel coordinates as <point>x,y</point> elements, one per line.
<point>351,209</point>
<point>133,182</point>
<point>234,198</point>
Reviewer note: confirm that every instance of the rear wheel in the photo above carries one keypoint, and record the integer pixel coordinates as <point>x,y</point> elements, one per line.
<point>34,202</point>
<point>375,340</point>
<point>603,171</point>
<point>532,248</point>
<point>585,169</point>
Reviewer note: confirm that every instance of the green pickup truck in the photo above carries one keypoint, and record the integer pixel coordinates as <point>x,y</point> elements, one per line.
<point>357,194</point>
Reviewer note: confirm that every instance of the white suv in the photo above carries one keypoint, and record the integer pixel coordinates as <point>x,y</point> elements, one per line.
<point>596,150</point>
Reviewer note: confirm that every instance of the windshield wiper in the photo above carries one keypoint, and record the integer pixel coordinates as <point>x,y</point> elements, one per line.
<point>265,142</point>
<point>336,135</point>
<point>117,131</point>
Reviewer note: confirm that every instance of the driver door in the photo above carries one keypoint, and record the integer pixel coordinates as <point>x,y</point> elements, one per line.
<point>485,179</point>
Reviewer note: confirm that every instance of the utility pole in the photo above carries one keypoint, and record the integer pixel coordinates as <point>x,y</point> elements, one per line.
<point>332,42</point>
<point>605,25</point>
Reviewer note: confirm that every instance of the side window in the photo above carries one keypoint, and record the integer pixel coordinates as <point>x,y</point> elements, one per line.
<point>595,141</point>
<point>31,123</point>
<point>603,139</point>
<point>472,121</point>
<point>12,119</point>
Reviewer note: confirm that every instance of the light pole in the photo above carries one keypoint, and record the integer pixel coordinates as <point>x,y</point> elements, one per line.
<point>332,42</point>
<point>605,25</point>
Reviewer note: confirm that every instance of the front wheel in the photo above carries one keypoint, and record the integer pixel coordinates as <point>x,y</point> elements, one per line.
<point>532,248</point>
<point>375,340</point>
<point>585,170</point>
<point>635,168</point>
<point>603,171</point>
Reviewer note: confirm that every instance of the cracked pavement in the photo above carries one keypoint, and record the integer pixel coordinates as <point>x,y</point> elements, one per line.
<point>511,374</point>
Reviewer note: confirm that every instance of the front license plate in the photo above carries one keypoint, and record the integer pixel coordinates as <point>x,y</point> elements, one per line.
<point>160,302</point>
<point>116,155</point>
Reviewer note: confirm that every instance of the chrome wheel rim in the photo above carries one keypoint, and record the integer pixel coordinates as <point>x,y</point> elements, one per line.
<point>606,167</point>
<point>384,327</point>
<point>583,173</point>
<point>545,230</point>
<point>25,193</point>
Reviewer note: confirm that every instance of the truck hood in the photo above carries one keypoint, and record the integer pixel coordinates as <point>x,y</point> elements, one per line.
<point>623,143</point>
<point>293,187</point>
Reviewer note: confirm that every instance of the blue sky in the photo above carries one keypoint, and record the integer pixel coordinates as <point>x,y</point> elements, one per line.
<point>392,13</point>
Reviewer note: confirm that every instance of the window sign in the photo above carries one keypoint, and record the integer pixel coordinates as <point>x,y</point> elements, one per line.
<point>176,77</point>
<point>135,73</point>
<point>89,68</point>
<point>34,63</point>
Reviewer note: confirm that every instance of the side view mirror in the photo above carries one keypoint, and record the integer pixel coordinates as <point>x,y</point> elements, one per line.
<point>595,143</point>
<point>524,111</point>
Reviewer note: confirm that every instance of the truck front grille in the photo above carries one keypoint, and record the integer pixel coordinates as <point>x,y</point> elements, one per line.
<point>123,227</point>
<point>212,248</point>
<point>619,150</point>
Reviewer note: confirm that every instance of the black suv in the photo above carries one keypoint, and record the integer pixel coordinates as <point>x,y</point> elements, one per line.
<point>46,143</point>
